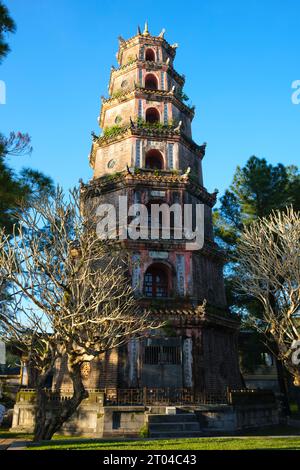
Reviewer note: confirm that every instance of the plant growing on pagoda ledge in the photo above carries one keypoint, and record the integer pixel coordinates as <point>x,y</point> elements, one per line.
<point>69,296</point>
<point>155,125</point>
<point>119,93</point>
<point>112,130</point>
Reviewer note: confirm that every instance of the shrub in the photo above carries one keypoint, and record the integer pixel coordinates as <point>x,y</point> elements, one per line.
<point>112,131</point>
<point>144,431</point>
<point>119,93</point>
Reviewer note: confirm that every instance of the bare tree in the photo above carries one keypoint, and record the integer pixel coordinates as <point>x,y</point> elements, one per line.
<point>69,296</point>
<point>269,270</point>
<point>17,144</point>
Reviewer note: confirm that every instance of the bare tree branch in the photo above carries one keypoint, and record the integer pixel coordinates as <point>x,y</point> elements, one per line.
<point>69,294</point>
<point>269,270</point>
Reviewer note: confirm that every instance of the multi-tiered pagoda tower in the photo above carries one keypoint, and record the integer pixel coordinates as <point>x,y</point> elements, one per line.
<point>146,152</point>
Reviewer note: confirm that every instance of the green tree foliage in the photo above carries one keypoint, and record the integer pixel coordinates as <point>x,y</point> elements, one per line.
<point>7,25</point>
<point>22,187</point>
<point>256,190</point>
<point>17,189</point>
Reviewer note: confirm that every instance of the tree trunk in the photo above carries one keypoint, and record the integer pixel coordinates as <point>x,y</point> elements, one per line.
<point>281,375</point>
<point>40,413</point>
<point>283,387</point>
<point>47,426</point>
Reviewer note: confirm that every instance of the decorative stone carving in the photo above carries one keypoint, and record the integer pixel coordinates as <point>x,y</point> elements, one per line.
<point>180,270</point>
<point>187,362</point>
<point>133,356</point>
<point>158,193</point>
<point>85,370</point>
<point>158,254</point>
<point>136,272</point>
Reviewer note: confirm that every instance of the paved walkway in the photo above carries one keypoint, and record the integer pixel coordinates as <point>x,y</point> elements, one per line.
<point>5,443</point>
<point>12,444</point>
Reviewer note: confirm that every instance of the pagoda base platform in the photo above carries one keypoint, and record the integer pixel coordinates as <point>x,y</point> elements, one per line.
<point>244,409</point>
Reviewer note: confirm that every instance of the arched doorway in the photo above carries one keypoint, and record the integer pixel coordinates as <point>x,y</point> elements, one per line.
<point>151,82</point>
<point>157,281</point>
<point>154,160</point>
<point>150,55</point>
<point>152,115</point>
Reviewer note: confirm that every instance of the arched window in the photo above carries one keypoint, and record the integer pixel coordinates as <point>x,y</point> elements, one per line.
<point>150,55</point>
<point>152,115</point>
<point>154,160</point>
<point>156,282</point>
<point>151,82</point>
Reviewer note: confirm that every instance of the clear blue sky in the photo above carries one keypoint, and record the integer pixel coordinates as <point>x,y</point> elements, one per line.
<point>239,58</point>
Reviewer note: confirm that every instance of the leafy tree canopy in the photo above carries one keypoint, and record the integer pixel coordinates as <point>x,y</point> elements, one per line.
<point>7,25</point>
<point>18,188</point>
<point>257,189</point>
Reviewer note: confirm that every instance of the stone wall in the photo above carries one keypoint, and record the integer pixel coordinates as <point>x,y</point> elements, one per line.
<point>94,420</point>
<point>124,421</point>
<point>91,418</point>
<point>87,420</point>
<point>220,419</point>
<point>121,153</point>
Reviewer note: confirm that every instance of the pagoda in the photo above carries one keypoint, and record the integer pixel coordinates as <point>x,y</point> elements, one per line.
<point>146,152</point>
<point>189,367</point>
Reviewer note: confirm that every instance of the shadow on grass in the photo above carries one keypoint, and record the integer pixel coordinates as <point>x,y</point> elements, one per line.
<point>261,439</point>
<point>288,440</point>
<point>245,443</point>
<point>6,434</point>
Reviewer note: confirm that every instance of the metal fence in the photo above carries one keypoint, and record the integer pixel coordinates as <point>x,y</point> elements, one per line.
<point>158,396</point>
<point>162,396</point>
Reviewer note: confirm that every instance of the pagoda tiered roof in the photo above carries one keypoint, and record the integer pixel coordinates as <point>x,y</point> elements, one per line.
<point>138,91</point>
<point>149,65</point>
<point>148,178</point>
<point>134,129</point>
<point>145,38</point>
<point>189,314</point>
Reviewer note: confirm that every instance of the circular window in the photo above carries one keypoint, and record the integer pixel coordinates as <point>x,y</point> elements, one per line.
<point>111,163</point>
<point>118,119</point>
<point>124,84</point>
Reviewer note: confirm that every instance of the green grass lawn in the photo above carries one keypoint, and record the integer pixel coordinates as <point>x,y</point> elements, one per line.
<point>6,434</point>
<point>206,443</point>
<point>251,440</point>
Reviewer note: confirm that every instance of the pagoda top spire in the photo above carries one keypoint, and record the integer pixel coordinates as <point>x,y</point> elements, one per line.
<point>144,37</point>
<point>147,33</point>
<point>146,30</point>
